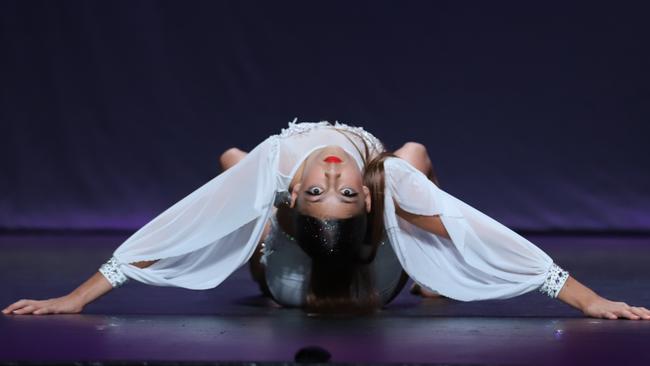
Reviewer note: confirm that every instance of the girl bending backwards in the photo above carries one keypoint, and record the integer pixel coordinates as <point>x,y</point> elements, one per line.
<point>331,222</point>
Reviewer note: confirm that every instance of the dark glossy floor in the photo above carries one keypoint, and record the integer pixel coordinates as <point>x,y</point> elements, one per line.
<point>234,323</point>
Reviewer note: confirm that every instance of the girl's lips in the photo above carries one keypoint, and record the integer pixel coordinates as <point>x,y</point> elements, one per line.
<point>333,159</point>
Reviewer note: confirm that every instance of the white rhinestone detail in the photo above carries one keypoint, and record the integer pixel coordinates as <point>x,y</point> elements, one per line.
<point>296,128</point>
<point>374,144</point>
<point>554,281</point>
<point>112,272</point>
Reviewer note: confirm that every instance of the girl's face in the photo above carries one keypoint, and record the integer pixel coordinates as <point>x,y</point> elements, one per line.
<point>330,185</point>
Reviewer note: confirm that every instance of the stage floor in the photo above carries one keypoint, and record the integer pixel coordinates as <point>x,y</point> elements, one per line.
<point>234,323</point>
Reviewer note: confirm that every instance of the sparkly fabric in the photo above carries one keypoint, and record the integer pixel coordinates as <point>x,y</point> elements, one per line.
<point>111,271</point>
<point>274,235</point>
<point>295,128</point>
<point>278,234</point>
<point>554,281</point>
<point>287,268</point>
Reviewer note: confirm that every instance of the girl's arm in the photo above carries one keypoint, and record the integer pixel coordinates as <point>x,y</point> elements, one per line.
<point>432,224</point>
<point>74,302</point>
<point>572,293</point>
<point>584,299</point>
<point>200,200</point>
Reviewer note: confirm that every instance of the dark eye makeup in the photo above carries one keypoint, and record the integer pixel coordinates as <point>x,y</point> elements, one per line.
<point>314,191</point>
<point>317,191</point>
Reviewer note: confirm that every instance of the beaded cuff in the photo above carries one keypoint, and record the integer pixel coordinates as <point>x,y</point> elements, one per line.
<point>554,281</point>
<point>112,272</point>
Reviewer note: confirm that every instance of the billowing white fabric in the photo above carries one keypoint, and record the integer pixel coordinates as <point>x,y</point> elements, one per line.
<point>483,259</point>
<point>200,240</point>
<point>203,238</point>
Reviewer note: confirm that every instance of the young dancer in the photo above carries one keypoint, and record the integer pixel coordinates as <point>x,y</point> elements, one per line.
<point>339,219</point>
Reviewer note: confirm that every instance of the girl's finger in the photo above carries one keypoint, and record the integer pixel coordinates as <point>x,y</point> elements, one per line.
<point>42,311</point>
<point>628,314</point>
<point>16,305</point>
<point>638,311</point>
<point>24,310</point>
<point>610,315</point>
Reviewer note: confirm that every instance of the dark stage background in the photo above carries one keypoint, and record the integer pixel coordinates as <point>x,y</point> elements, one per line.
<point>536,114</point>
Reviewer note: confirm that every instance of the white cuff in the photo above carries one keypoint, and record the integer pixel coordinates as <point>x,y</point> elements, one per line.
<point>554,281</point>
<point>112,272</point>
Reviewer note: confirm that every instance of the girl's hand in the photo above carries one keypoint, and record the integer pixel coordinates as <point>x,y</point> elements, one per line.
<point>68,304</point>
<point>603,308</point>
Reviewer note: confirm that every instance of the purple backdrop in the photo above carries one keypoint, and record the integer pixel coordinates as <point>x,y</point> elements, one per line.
<point>535,114</point>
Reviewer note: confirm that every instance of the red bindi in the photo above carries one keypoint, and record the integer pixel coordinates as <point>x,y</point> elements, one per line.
<point>333,159</point>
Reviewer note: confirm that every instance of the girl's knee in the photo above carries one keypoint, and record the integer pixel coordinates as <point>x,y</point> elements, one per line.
<point>230,157</point>
<point>416,149</point>
<point>416,154</point>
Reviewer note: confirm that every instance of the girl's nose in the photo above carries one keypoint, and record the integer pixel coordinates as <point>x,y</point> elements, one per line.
<point>332,173</point>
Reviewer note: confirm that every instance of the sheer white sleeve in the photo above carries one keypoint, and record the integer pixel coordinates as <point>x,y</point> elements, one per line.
<point>483,259</point>
<point>200,240</point>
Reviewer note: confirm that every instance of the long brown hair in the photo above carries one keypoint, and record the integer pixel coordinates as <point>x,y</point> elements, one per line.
<point>342,250</point>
